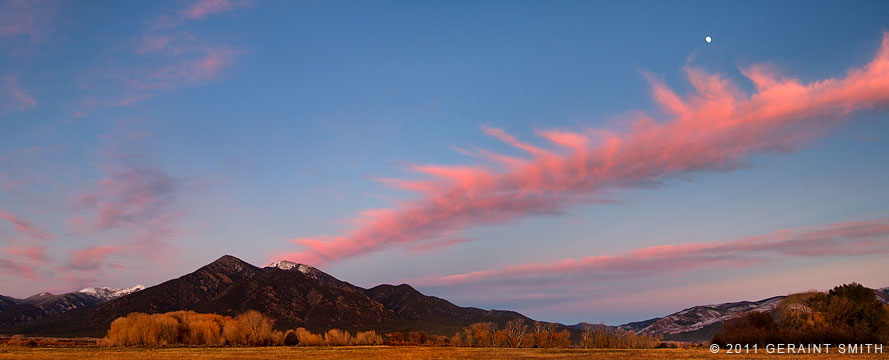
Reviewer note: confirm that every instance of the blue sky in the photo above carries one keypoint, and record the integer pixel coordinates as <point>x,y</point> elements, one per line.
<point>241,125</point>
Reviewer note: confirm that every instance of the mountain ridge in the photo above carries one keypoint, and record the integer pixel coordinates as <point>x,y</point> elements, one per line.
<point>15,311</point>
<point>295,295</point>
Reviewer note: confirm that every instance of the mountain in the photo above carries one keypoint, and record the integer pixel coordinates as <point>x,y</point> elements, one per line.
<point>295,295</point>
<point>700,323</point>
<point>6,302</point>
<point>14,312</point>
<point>415,311</point>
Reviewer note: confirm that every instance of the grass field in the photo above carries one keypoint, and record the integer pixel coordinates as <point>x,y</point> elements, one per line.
<point>389,353</point>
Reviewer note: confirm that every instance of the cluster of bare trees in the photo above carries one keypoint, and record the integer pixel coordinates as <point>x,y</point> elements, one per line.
<point>515,334</point>
<point>603,336</point>
<point>248,329</point>
<point>333,337</point>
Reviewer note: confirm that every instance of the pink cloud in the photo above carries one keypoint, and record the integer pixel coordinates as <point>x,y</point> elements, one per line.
<point>189,71</point>
<point>836,240</point>
<point>198,10</point>
<point>33,253</point>
<point>171,58</point>
<point>712,129</point>
<point>92,258</point>
<point>14,268</point>
<point>130,196</point>
<point>202,8</point>
<point>16,98</point>
<point>25,227</point>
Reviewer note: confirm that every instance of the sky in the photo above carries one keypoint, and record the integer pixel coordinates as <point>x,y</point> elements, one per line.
<point>573,161</point>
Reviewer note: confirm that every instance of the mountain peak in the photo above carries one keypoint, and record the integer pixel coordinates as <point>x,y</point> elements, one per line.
<point>228,264</point>
<point>109,293</point>
<point>290,265</point>
<point>227,259</point>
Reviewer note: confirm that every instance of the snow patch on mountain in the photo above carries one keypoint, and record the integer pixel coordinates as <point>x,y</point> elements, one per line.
<point>309,271</point>
<point>109,293</point>
<point>289,265</point>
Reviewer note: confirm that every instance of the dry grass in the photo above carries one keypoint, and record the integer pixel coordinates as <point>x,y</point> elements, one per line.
<point>384,352</point>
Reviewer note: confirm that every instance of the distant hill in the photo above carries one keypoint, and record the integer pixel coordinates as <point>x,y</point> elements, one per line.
<point>295,295</point>
<point>700,323</point>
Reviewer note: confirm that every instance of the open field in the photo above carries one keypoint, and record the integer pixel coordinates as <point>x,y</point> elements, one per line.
<point>386,352</point>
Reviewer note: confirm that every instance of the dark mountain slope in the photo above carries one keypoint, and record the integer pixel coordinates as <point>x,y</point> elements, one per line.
<point>183,293</point>
<point>6,302</point>
<point>416,311</point>
<point>294,299</point>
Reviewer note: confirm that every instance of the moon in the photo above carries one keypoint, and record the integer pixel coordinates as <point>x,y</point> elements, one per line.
<point>708,39</point>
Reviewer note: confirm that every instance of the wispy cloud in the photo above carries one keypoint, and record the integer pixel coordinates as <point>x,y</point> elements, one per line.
<point>170,57</point>
<point>92,258</point>
<point>202,8</point>
<point>135,197</point>
<point>712,129</point>
<point>197,10</point>
<point>25,227</point>
<point>17,269</point>
<point>15,98</point>
<point>200,69</point>
<point>24,24</point>
<point>831,241</point>
<point>32,253</point>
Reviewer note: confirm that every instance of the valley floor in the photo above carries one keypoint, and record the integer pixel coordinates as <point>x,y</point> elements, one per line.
<point>386,352</point>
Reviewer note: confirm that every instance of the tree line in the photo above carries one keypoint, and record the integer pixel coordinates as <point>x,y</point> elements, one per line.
<point>248,329</point>
<point>850,313</point>
<point>518,334</point>
<point>515,334</point>
<point>255,329</point>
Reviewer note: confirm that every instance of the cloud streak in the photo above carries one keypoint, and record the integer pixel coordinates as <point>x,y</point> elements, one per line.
<point>835,240</point>
<point>16,97</point>
<point>92,258</point>
<point>135,197</point>
<point>25,227</point>
<point>713,129</point>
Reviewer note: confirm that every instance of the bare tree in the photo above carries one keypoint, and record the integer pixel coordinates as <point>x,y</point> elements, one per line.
<point>515,331</point>
<point>587,336</point>
<point>484,334</point>
<point>492,333</point>
<point>539,329</point>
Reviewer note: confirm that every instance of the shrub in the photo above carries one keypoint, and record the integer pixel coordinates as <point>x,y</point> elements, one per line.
<point>291,338</point>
